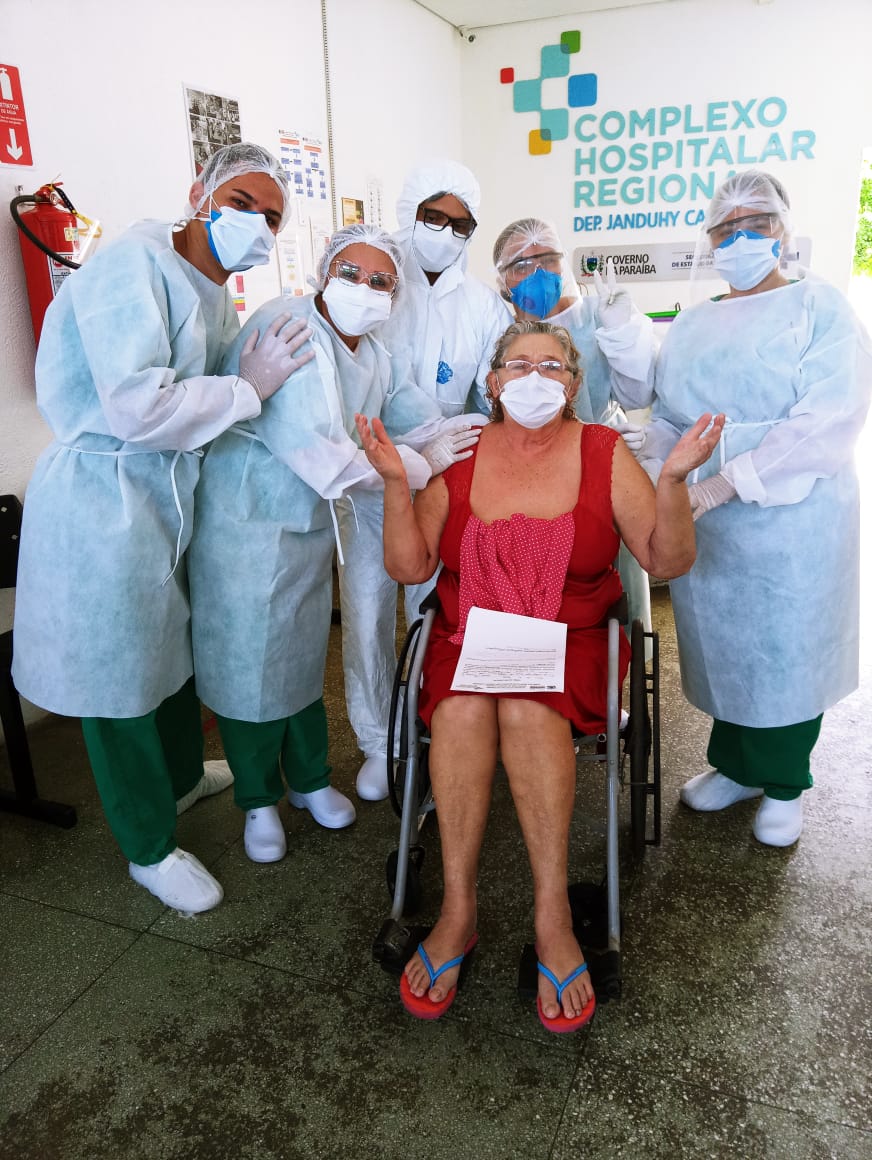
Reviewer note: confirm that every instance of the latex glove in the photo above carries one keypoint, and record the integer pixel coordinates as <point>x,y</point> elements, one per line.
<point>451,446</point>
<point>462,423</point>
<point>710,493</point>
<point>632,434</point>
<point>615,305</point>
<point>267,364</point>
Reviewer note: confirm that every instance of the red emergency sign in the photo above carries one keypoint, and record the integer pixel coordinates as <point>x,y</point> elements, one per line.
<point>14,138</point>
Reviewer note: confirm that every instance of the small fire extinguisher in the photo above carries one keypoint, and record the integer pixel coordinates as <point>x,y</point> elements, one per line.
<point>50,245</point>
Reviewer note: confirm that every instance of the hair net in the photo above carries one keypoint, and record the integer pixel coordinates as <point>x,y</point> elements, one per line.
<point>429,179</point>
<point>518,237</point>
<point>232,161</point>
<point>755,191</point>
<point>358,234</point>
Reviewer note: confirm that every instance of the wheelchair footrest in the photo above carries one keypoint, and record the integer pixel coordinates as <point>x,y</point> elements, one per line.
<point>589,906</point>
<point>395,944</point>
<point>604,967</point>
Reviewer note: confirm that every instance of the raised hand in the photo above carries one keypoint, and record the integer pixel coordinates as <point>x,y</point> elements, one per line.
<point>615,305</point>
<point>380,451</point>
<point>693,448</point>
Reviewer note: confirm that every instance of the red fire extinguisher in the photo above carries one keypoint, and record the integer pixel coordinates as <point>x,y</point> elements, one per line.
<point>50,246</point>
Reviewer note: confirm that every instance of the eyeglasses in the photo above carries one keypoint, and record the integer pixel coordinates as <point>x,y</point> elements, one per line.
<point>460,227</point>
<point>551,368</point>
<point>757,223</point>
<point>523,267</point>
<point>376,279</point>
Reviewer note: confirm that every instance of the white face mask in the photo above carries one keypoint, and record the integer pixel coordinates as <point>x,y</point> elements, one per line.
<point>239,239</point>
<point>355,310</point>
<point>436,250</point>
<point>533,400</point>
<point>744,260</point>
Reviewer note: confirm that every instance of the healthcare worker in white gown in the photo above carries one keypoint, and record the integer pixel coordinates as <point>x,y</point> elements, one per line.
<point>127,378</point>
<point>261,557</point>
<point>614,339</point>
<point>768,617</point>
<point>446,325</point>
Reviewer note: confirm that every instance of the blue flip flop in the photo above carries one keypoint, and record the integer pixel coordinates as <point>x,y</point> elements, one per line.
<point>422,1006</point>
<point>561,1023</point>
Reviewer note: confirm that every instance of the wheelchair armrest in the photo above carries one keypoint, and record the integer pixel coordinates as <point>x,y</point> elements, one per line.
<point>620,610</point>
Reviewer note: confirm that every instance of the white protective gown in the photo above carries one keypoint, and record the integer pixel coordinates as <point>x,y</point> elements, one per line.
<point>447,333</point>
<point>125,378</point>
<point>618,370</point>
<point>260,559</point>
<point>767,618</point>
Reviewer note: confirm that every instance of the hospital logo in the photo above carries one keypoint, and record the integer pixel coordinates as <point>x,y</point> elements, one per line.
<point>581,92</point>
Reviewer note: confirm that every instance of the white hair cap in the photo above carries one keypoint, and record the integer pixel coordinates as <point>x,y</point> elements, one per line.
<point>235,160</point>
<point>520,236</point>
<point>358,234</point>
<point>753,190</point>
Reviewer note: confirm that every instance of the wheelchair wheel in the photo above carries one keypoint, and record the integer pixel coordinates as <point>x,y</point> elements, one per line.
<point>638,743</point>
<point>398,724</point>
<point>413,895</point>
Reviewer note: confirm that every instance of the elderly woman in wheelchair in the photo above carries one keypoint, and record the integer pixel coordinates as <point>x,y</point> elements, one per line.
<point>530,524</point>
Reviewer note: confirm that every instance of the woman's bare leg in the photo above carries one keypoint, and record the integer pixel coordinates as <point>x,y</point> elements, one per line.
<point>537,752</point>
<point>463,753</point>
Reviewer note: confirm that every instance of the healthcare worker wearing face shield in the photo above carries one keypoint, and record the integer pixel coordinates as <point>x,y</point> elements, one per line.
<point>260,561</point>
<point>768,618</point>
<point>614,339</point>
<point>445,325</point>
<point>128,378</point>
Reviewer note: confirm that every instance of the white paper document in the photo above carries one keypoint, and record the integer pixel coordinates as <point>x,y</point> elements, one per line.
<point>505,653</point>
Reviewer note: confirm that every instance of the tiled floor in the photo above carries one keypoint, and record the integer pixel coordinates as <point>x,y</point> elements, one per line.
<point>264,1031</point>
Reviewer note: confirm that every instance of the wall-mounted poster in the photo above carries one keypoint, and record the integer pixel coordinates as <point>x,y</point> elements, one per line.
<point>213,121</point>
<point>352,211</point>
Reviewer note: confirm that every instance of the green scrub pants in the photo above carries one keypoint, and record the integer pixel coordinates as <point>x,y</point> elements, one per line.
<point>777,759</point>
<point>142,766</point>
<point>260,751</point>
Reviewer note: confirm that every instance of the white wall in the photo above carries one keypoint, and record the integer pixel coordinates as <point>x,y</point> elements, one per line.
<point>811,55</point>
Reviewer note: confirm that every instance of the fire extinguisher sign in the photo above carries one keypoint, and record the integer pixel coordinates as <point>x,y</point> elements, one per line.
<point>14,138</point>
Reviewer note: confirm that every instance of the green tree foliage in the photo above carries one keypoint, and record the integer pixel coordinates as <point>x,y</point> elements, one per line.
<point>863,239</point>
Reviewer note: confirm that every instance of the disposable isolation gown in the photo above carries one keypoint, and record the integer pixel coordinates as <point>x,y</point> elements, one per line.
<point>447,332</point>
<point>618,370</point>
<point>767,618</point>
<point>261,555</point>
<point>124,378</point>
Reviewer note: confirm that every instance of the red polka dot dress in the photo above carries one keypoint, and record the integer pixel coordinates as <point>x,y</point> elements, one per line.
<point>560,569</point>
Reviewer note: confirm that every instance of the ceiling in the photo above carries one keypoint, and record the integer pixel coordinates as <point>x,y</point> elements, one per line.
<point>466,15</point>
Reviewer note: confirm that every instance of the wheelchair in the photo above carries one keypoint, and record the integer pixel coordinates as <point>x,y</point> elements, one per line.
<point>628,753</point>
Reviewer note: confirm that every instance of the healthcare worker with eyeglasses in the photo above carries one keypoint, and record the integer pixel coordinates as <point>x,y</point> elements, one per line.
<point>261,557</point>
<point>768,618</point>
<point>445,325</point>
<point>128,377</point>
<point>614,339</point>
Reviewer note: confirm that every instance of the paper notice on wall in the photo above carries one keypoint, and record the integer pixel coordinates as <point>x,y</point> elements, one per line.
<point>505,653</point>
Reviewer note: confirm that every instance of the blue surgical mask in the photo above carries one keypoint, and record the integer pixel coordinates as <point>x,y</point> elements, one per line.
<point>746,258</point>
<point>538,293</point>
<point>238,238</point>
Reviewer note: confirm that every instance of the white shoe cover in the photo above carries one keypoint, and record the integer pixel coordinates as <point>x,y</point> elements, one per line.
<point>180,881</point>
<point>216,777</point>
<point>778,823</point>
<point>265,838</point>
<point>328,807</point>
<point>715,791</point>
<point>372,778</point>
